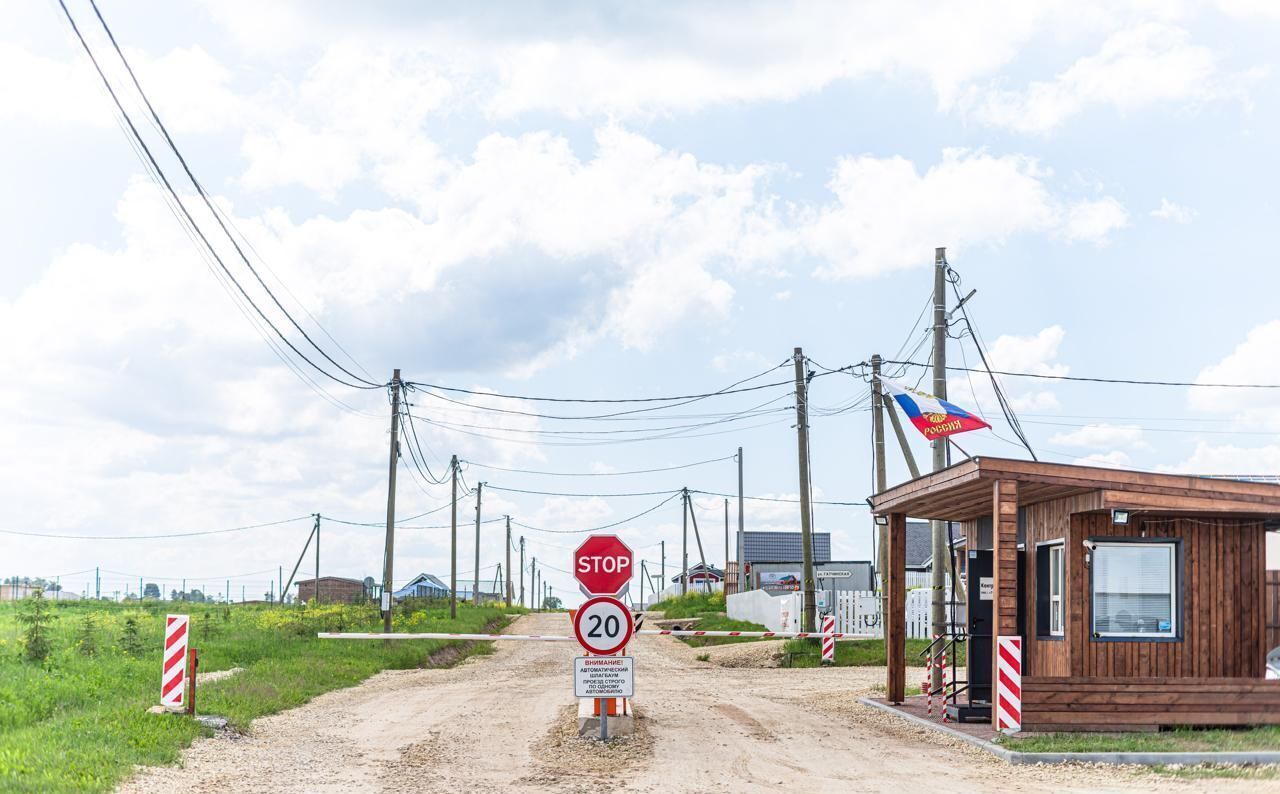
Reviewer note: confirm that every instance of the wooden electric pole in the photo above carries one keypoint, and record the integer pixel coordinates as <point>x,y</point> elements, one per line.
<point>522,570</point>
<point>475,590</point>
<point>684,548</point>
<point>533,584</point>
<point>742,538</point>
<point>388,551</point>
<point>453,540</point>
<point>937,571</point>
<point>726,545</point>
<point>508,599</point>
<point>877,445</point>
<point>317,581</point>
<point>809,608</point>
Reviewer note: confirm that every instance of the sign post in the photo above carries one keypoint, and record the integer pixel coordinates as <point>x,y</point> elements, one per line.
<point>173,676</point>
<point>603,625</point>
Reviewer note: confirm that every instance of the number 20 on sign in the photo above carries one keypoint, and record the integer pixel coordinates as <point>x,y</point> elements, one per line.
<point>603,625</point>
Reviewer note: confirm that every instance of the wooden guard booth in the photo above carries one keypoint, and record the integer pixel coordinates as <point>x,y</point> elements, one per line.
<point>1156,621</point>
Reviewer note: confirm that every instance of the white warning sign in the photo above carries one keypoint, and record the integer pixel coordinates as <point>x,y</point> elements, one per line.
<point>604,676</point>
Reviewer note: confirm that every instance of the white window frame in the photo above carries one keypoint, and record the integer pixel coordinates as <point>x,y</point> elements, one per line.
<point>1057,601</point>
<point>1174,594</point>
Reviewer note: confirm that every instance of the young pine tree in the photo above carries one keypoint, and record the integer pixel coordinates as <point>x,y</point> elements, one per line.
<point>36,617</point>
<point>130,639</point>
<point>87,637</point>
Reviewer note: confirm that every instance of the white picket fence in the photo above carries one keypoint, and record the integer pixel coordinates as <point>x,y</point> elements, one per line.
<point>858,612</point>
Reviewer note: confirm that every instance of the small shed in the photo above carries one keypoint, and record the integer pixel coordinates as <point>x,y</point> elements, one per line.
<point>1138,596</point>
<point>332,590</point>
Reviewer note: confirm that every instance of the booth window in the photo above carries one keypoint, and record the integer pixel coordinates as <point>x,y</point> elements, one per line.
<point>1135,590</point>
<point>1050,575</point>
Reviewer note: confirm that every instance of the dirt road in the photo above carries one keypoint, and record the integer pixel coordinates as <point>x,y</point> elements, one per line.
<point>504,723</point>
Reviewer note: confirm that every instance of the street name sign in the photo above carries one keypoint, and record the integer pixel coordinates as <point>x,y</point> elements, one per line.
<point>604,676</point>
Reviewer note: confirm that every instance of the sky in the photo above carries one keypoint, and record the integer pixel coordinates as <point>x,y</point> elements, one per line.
<point>604,201</point>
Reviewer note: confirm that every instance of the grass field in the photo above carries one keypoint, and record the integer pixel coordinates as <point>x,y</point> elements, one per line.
<point>1179,740</point>
<point>690,605</point>
<point>854,653</point>
<point>78,722</point>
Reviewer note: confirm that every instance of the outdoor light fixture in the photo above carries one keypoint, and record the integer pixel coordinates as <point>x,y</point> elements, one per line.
<point>1120,517</point>
<point>882,521</point>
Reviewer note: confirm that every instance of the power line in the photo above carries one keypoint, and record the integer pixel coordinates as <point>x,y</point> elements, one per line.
<point>1082,379</point>
<point>173,146</point>
<point>153,537</point>
<point>860,503</point>
<point>629,519</point>
<point>601,473</point>
<point>583,495</point>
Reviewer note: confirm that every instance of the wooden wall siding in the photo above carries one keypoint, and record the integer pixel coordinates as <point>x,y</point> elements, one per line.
<point>1273,610</point>
<point>1005,557</point>
<point>1060,703</point>
<point>895,625</point>
<point>1046,521</point>
<point>1222,608</point>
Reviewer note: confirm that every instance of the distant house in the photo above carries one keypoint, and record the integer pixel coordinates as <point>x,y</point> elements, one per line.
<point>332,590</point>
<point>759,546</point>
<point>17,592</point>
<point>701,573</point>
<point>424,585</point>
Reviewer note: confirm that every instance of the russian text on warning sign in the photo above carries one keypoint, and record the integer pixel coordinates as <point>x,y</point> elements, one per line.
<point>604,676</point>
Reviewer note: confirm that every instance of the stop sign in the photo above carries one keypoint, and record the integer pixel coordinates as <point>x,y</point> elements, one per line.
<point>602,565</point>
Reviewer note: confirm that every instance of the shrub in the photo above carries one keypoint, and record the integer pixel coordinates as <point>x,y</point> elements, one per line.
<point>130,640</point>
<point>87,637</point>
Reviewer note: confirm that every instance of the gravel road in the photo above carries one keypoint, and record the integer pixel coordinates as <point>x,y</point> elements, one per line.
<point>504,722</point>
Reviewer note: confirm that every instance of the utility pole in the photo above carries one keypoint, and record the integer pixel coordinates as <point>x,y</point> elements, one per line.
<point>726,543</point>
<point>877,445</point>
<point>664,569</point>
<point>388,550</point>
<point>522,570</point>
<point>533,584</point>
<point>317,581</point>
<point>937,573</point>
<point>97,583</point>
<point>742,540</point>
<point>508,562</point>
<point>453,541</point>
<point>279,583</point>
<point>809,608</point>
<point>684,548</point>
<point>475,590</point>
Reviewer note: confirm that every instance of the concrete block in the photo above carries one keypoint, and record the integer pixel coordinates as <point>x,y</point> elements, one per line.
<point>589,723</point>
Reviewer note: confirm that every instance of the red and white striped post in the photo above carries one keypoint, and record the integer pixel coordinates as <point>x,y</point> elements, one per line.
<point>173,676</point>
<point>1008,710</point>
<point>944,683</point>
<point>828,639</point>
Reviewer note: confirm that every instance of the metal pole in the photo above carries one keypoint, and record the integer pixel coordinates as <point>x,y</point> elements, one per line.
<point>806,528</point>
<point>663,572</point>
<point>937,573</point>
<point>533,584</point>
<point>388,551</point>
<point>725,581</point>
<point>604,720</point>
<point>453,541</point>
<point>475,589</point>
<point>508,562</point>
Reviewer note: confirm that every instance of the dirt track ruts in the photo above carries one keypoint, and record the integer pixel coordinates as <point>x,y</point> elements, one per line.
<point>502,723</point>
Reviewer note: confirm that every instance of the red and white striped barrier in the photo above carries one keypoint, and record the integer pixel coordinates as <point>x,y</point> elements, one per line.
<point>781,635</point>
<point>926,685</point>
<point>828,639</point>
<point>173,676</point>
<point>944,684</point>
<point>1008,684</point>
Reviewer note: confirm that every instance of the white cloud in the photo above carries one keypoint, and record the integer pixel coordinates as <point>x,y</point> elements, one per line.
<point>1009,352</point>
<point>1169,211</point>
<point>1230,459</point>
<point>1100,435</point>
<point>1253,361</point>
<point>1111,460</point>
<point>1093,221</point>
<point>1149,64</point>
<point>888,216</point>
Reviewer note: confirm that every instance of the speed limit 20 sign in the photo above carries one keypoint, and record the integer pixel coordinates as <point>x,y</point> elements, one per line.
<point>603,625</point>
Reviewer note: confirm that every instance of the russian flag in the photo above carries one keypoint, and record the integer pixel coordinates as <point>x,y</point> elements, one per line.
<point>932,417</point>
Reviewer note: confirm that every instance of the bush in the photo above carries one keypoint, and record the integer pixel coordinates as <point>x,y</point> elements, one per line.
<point>130,640</point>
<point>87,637</point>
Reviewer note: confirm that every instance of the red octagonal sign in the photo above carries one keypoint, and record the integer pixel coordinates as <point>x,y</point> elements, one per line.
<point>602,565</point>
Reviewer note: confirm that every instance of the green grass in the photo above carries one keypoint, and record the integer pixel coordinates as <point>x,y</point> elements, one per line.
<point>1178,740</point>
<point>854,653</point>
<point>690,605</point>
<point>722,623</point>
<point>78,723</point>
